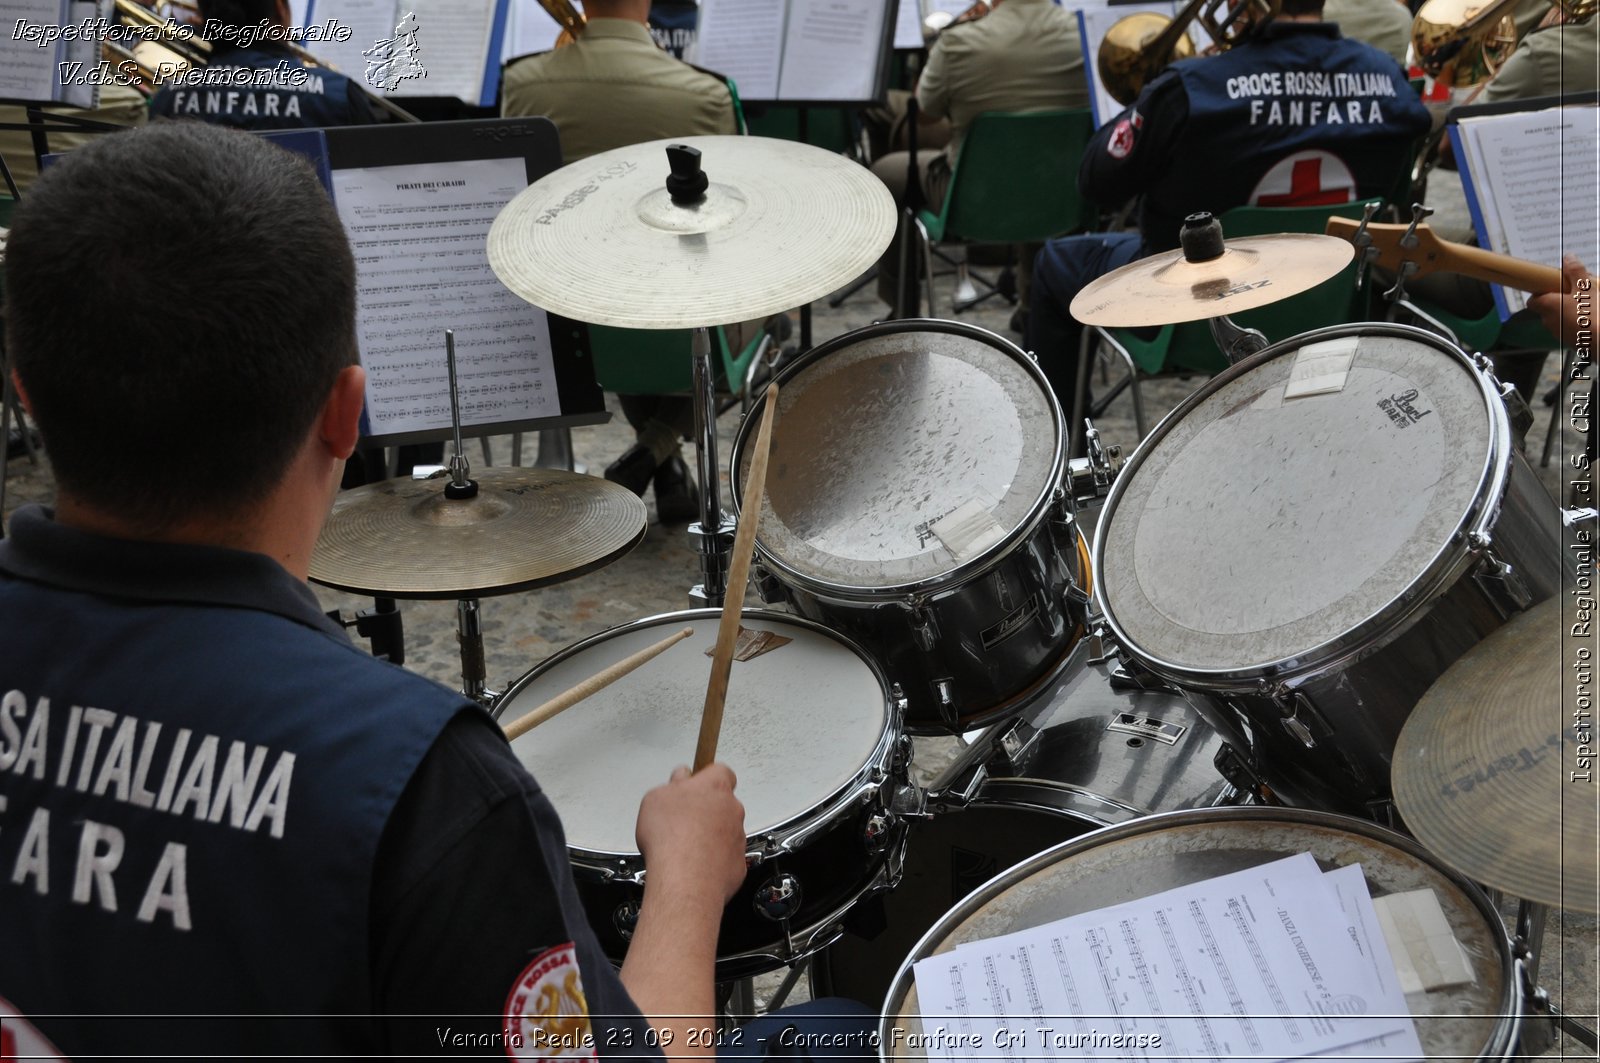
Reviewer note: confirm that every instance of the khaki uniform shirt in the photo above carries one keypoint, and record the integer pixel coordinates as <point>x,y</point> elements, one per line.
<point>1384,24</point>
<point>613,87</point>
<point>119,105</point>
<point>1550,62</point>
<point>1022,56</point>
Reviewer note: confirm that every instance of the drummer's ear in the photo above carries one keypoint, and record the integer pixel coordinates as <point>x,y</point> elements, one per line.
<point>339,424</point>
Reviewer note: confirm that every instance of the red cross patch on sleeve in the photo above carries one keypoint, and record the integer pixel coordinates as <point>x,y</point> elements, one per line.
<point>1122,137</point>
<point>546,1015</point>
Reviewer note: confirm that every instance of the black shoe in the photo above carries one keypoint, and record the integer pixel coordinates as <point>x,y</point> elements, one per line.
<point>634,469</point>
<point>677,501</point>
<point>1019,321</point>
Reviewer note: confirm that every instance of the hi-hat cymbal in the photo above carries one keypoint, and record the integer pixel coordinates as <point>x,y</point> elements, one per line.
<point>525,528</point>
<point>1166,289</point>
<point>1487,771</point>
<point>781,224</point>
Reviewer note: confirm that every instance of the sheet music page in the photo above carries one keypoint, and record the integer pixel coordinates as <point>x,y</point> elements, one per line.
<point>297,12</point>
<point>743,40</point>
<point>1093,25</point>
<point>531,29</point>
<point>420,235</point>
<point>453,38</point>
<point>908,25</point>
<point>28,67</point>
<point>1534,174</point>
<point>369,21</point>
<point>84,52</point>
<point>1246,965</point>
<point>831,49</point>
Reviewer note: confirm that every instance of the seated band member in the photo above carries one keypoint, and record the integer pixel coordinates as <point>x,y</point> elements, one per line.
<point>1384,24</point>
<point>257,82</point>
<point>1294,115</point>
<point>1022,56</point>
<point>212,804</point>
<point>610,88</point>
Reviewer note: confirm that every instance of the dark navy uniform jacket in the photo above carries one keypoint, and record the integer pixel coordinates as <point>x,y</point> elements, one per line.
<point>213,803</point>
<point>1293,116</point>
<point>263,87</point>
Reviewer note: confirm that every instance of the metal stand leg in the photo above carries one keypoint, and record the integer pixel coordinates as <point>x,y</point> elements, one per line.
<point>555,450</point>
<point>713,533</point>
<point>469,633</point>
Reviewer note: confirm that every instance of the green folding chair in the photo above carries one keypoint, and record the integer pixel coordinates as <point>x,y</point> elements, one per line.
<point>1189,348</point>
<point>657,361</point>
<point>1015,182</point>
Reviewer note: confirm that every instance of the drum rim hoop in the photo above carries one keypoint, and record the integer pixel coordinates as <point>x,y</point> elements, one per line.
<point>1505,1031</point>
<point>966,571</point>
<point>1453,557</point>
<point>825,811</point>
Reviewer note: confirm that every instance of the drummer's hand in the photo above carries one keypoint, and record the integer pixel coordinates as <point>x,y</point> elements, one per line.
<point>691,831</point>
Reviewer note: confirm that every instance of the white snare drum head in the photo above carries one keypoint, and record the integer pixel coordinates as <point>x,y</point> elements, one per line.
<point>880,439</point>
<point>1257,528</point>
<point>800,723</point>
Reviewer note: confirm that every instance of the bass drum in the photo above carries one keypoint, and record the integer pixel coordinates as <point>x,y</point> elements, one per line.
<point>1477,1020</point>
<point>913,502</point>
<point>1307,542</point>
<point>1082,756</point>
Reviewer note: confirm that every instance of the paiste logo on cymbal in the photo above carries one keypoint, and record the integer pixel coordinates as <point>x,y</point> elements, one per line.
<point>576,197</point>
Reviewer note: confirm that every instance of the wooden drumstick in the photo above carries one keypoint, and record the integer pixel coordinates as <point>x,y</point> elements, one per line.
<point>595,683</point>
<point>744,542</point>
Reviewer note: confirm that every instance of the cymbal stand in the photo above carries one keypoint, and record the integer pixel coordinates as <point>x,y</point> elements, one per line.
<point>713,533</point>
<point>469,616</point>
<point>1526,944</point>
<point>1235,343</point>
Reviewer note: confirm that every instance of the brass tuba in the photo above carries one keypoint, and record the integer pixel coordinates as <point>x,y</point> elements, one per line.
<point>1465,42</point>
<point>1138,46</point>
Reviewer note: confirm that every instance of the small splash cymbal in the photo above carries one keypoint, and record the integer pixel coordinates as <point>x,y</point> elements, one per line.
<point>1166,289</point>
<point>780,224</point>
<point>526,528</point>
<point>1487,770</point>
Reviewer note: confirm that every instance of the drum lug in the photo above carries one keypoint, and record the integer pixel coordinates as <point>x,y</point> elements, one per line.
<point>1091,478</point>
<point>1014,749</point>
<point>625,917</point>
<point>944,690</point>
<point>899,703</point>
<point>1298,717</point>
<point>1503,585</point>
<point>904,749</point>
<point>879,829</point>
<point>779,898</point>
<point>767,586</point>
<point>909,802</point>
<point>924,628</point>
<point>960,793</point>
<point>1236,769</point>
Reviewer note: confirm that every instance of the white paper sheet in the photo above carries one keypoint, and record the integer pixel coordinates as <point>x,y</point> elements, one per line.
<point>28,68</point>
<point>420,236</point>
<point>743,40</point>
<point>1243,965</point>
<point>1535,178</point>
<point>453,38</point>
<point>831,49</point>
<point>908,25</point>
<point>369,21</point>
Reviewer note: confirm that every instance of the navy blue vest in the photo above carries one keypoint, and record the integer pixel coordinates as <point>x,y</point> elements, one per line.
<point>192,792</point>
<point>263,87</point>
<point>1332,119</point>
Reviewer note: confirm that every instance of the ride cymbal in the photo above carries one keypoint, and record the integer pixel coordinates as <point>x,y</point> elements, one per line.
<point>780,224</point>
<point>525,528</point>
<point>1486,771</point>
<point>1166,289</point>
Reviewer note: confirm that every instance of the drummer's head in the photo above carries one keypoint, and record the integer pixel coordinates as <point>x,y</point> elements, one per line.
<point>180,309</point>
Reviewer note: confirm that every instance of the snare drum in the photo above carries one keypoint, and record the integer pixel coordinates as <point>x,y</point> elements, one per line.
<point>1476,1021</point>
<point>1307,542</point>
<point>913,502</point>
<point>810,729</point>
<point>1083,756</point>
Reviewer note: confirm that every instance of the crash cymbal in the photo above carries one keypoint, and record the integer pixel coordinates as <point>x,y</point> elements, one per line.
<point>1253,271</point>
<point>525,528</point>
<point>602,241</point>
<point>1487,773</point>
